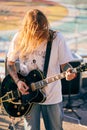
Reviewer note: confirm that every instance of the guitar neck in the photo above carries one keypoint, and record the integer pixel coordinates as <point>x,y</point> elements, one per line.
<point>55,78</point>
<point>61,75</point>
<point>44,82</point>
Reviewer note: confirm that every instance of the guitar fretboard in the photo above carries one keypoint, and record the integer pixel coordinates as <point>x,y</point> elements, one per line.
<point>54,78</point>
<point>44,82</point>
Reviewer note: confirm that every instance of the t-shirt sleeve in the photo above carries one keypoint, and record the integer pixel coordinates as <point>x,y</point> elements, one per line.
<point>10,55</point>
<point>64,53</point>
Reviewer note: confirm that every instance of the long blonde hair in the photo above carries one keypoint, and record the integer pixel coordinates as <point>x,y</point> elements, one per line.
<point>34,30</point>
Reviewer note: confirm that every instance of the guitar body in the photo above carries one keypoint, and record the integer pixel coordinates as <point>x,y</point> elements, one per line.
<point>17,105</point>
<point>21,104</point>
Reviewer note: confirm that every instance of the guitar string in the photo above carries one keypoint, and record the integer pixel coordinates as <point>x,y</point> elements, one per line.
<point>80,68</point>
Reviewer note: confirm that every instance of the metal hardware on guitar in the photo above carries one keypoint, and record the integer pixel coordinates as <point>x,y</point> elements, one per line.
<point>17,105</point>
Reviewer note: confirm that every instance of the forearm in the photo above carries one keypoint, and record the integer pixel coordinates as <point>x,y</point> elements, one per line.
<point>12,71</point>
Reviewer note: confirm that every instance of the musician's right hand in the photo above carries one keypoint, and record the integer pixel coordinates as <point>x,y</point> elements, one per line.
<point>22,87</point>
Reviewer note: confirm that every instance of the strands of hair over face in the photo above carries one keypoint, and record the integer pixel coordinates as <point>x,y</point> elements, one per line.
<point>34,30</point>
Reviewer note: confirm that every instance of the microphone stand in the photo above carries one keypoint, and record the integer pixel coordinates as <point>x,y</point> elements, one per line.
<point>69,103</point>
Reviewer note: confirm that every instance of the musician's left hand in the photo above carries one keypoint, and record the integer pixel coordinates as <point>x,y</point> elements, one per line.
<point>70,75</point>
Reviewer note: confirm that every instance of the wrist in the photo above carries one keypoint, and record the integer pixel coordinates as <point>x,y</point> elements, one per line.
<point>17,81</point>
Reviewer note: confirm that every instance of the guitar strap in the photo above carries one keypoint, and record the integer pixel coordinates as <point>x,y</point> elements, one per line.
<point>47,57</point>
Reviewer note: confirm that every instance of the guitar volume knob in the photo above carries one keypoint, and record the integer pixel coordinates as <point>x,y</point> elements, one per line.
<point>15,106</point>
<point>34,75</point>
<point>22,108</point>
<point>18,113</point>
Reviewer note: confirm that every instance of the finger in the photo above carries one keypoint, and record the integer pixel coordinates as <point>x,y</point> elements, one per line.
<point>25,86</point>
<point>23,91</point>
<point>69,70</point>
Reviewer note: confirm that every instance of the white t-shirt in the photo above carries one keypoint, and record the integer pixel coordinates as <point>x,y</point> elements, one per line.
<point>60,54</point>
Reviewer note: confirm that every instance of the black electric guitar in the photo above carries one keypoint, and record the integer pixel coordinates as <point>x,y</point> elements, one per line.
<point>17,105</point>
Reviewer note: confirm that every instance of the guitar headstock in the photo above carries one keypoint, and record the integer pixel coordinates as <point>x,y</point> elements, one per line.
<point>81,68</point>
